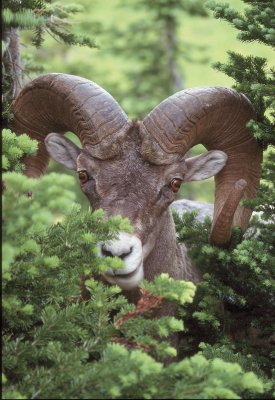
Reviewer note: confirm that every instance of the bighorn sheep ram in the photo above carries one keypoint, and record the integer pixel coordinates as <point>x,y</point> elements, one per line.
<point>135,168</point>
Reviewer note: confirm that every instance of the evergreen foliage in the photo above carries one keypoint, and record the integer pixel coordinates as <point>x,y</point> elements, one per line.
<point>57,344</point>
<point>251,73</point>
<point>43,17</point>
<point>24,19</point>
<point>68,335</point>
<point>14,148</point>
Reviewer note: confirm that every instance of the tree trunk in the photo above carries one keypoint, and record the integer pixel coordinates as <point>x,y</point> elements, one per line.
<point>175,76</point>
<point>12,62</point>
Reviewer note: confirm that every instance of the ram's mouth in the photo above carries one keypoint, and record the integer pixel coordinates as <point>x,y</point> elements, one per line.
<point>126,281</point>
<point>124,276</point>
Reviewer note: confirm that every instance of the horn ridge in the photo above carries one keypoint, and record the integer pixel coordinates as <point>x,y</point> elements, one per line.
<point>60,102</point>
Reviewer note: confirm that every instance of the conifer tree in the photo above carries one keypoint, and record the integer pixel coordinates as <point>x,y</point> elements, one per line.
<point>41,17</point>
<point>234,304</point>
<point>153,41</point>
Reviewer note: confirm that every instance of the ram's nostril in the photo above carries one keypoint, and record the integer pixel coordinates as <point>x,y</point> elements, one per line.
<point>124,255</point>
<point>106,253</point>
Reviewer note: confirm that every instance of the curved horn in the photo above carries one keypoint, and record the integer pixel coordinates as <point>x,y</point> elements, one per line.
<point>60,103</point>
<point>215,117</point>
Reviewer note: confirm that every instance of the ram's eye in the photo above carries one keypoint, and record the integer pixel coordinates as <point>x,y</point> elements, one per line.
<point>175,184</point>
<point>83,176</point>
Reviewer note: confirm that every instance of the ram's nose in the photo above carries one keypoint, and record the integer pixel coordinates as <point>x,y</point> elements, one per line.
<point>111,251</point>
<point>129,249</point>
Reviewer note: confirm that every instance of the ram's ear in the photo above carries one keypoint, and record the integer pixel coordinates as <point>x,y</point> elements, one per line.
<point>205,165</point>
<point>62,150</point>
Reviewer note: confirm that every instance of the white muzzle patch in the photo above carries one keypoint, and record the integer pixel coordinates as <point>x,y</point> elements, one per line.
<point>129,248</point>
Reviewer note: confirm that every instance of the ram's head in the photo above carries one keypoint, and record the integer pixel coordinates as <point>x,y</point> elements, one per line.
<point>135,168</point>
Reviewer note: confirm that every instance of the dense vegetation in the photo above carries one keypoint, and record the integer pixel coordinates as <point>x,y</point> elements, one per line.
<point>68,335</point>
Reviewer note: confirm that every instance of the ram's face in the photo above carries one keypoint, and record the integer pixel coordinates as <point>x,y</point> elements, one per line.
<point>130,186</point>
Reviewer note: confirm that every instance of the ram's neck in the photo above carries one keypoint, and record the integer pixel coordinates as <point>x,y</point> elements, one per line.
<point>168,256</point>
<point>164,255</point>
